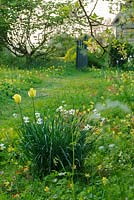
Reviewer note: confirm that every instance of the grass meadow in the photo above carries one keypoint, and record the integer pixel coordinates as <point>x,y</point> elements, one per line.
<point>72,140</point>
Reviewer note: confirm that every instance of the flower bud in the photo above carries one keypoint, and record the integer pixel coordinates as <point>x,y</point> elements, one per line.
<point>32,92</point>
<point>17,98</point>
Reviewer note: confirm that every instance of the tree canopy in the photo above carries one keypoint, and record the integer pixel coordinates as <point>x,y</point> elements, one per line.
<point>27,26</point>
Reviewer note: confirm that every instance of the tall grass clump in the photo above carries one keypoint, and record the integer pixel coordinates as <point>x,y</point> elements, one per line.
<point>54,142</point>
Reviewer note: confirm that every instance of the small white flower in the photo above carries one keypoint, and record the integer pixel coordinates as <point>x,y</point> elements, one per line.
<point>103,119</point>
<point>37,115</point>
<point>87,127</point>
<point>71,111</point>
<point>2,146</point>
<point>62,174</point>
<point>26,119</point>
<point>39,121</point>
<point>111,145</point>
<point>101,148</point>
<point>94,111</point>
<point>15,115</point>
<point>60,109</point>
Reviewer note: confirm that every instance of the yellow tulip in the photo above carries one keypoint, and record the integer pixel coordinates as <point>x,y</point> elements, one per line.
<point>17,98</point>
<point>32,92</point>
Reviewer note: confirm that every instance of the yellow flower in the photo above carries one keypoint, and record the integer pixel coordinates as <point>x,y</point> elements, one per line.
<point>32,92</point>
<point>10,149</point>
<point>46,189</point>
<point>17,98</point>
<point>104,180</point>
<point>6,183</point>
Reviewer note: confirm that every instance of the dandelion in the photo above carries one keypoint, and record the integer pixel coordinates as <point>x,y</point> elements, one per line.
<point>104,180</point>
<point>6,183</point>
<point>17,98</point>
<point>46,189</point>
<point>100,167</point>
<point>10,149</point>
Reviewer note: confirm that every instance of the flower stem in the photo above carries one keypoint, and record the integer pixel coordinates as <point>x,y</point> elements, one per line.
<point>21,113</point>
<point>73,167</point>
<point>33,109</point>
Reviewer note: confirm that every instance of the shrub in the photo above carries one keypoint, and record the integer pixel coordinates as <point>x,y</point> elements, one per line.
<point>99,61</point>
<point>70,55</point>
<point>119,53</point>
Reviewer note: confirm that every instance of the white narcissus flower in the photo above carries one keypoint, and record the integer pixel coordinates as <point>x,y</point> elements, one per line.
<point>87,127</point>
<point>111,145</point>
<point>26,119</point>
<point>37,115</point>
<point>71,111</point>
<point>2,146</point>
<point>39,121</point>
<point>60,109</point>
<point>15,115</point>
<point>101,148</point>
